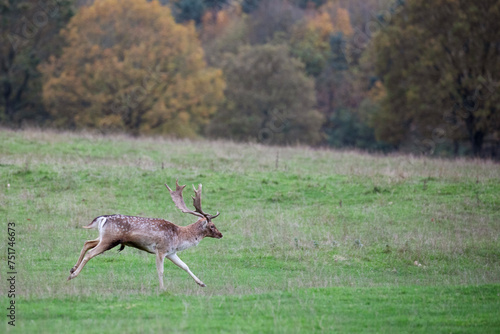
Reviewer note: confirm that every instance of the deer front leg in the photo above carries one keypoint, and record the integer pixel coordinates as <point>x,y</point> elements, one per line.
<point>175,259</point>
<point>86,246</point>
<point>159,267</point>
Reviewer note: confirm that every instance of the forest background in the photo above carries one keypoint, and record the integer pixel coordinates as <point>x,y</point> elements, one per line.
<point>408,76</point>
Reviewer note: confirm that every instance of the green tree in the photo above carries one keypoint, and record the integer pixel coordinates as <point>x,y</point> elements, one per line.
<point>440,64</point>
<point>28,35</point>
<point>129,66</point>
<point>269,99</point>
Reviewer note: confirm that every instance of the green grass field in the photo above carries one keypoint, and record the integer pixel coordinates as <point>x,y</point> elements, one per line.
<point>314,240</point>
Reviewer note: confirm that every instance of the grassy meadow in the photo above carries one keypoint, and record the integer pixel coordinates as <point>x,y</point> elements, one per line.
<point>314,240</point>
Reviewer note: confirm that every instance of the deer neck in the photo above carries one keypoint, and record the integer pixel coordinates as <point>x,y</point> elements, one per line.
<point>191,235</point>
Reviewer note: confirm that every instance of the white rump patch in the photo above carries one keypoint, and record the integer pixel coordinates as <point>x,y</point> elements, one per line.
<point>100,223</point>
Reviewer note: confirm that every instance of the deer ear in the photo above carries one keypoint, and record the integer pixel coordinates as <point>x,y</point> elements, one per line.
<point>204,222</point>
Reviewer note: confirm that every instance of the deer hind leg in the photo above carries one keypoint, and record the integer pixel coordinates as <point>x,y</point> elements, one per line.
<point>175,259</point>
<point>99,249</point>
<point>159,267</point>
<point>86,246</point>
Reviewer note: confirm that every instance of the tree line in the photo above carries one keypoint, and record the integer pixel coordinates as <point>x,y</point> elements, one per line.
<point>378,75</point>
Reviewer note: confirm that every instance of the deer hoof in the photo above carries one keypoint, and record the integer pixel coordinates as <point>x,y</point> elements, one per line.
<point>202,285</point>
<point>72,270</point>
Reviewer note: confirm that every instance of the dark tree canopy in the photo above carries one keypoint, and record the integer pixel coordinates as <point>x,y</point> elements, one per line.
<point>28,36</point>
<point>440,63</point>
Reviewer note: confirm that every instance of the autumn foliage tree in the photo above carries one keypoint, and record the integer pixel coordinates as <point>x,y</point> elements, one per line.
<point>310,37</point>
<point>310,41</point>
<point>269,98</point>
<point>129,66</point>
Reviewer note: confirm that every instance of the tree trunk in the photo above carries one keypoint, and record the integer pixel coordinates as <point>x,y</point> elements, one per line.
<point>476,137</point>
<point>477,143</point>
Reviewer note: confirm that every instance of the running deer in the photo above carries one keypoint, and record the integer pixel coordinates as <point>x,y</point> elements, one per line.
<point>153,235</point>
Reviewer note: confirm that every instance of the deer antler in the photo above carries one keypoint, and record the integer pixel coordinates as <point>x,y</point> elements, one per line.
<point>197,200</point>
<point>179,201</point>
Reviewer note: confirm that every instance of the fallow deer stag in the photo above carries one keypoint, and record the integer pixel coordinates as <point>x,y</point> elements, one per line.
<point>155,236</point>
